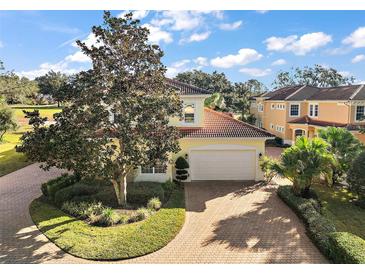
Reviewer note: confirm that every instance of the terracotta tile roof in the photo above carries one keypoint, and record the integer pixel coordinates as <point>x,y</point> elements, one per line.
<point>220,125</point>
<point>186,89</point>
<point>307,120</point>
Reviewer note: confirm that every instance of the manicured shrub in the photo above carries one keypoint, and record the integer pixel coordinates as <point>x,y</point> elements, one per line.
<point>108,217</point>
<point>123,219</point>
<point>76,190</point>
<point>356,177</point>
<point>141,214</point>
<point>347,248</point>
<point>308,210</point>
<point>82,210</point>
<point>181,165</point>
<point>154,204</point>
<point>141,192</point>
<point>51,187</point>
<point>168,187</point>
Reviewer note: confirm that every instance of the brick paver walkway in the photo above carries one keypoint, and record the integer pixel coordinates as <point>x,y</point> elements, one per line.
<point>226,222</point>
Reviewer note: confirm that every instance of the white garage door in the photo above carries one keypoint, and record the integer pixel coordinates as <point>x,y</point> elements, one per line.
<point>222,165</point>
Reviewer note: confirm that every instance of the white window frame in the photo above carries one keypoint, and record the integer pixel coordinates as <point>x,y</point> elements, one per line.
<point>194,114</point>
<point>273,106</point>
<point>153,169</point>
<point>272,126</point>
<point>259,124</point>
<point>363,106</point>
<point>294,104</point>
<point>279,129</point>
<point>314,105</point>
<point>260,107</point>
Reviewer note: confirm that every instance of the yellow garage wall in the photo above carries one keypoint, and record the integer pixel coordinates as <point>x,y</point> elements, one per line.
<point>258,144</point>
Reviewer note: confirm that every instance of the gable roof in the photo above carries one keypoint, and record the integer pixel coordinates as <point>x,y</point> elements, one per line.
<point>219,125</point>
<point>300,93</point>
<point>282,93</point>
<point>186,89</point>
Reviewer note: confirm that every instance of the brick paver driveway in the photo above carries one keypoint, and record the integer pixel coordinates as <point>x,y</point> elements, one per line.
<point>226,222</point>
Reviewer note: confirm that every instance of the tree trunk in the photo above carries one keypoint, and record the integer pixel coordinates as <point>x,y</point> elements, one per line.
<point>120,187</point>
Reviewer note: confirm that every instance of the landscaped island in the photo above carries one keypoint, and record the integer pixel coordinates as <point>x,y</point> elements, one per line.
<point>132,231</point>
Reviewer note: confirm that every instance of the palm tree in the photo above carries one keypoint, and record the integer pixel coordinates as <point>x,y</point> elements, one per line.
<point>344,147</point>
<point>305,162</point>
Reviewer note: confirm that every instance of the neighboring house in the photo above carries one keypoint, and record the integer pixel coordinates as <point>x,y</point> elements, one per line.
<point>217,146</point>
<point>302,110</point>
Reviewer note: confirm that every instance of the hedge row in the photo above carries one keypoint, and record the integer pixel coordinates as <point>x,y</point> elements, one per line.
<point>340,247</point>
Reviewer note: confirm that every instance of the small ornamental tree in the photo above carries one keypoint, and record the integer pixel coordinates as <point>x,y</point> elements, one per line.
<point>118,116</point>
<point>303,163</point>
<point>181,165</point>
<point>344,146</point>
<point>356,177</point>
<point>267,165</point>
<point>7,120</point>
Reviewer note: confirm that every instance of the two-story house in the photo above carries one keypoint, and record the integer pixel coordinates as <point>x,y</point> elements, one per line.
<point>216,146</point>
<point>302,110</point>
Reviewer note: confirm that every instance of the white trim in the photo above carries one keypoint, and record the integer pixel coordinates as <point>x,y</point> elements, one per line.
<point>295,92</point>
<point>356,113</point>
<point>227,138</point>
<point>356,92</point>
<point>314,110</point>
<point>294,103</point>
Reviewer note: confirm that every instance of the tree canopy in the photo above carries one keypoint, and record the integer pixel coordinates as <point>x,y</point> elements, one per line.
<point>119,118</point>
<point>236,95</point>
<point>53,83</point>
<point>317,76</point>
<point>7,120</point>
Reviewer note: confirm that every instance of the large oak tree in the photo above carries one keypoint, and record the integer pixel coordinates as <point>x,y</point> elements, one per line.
<point>118,117</point>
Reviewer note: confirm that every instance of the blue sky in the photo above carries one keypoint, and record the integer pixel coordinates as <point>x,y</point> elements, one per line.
<point>242,44</point>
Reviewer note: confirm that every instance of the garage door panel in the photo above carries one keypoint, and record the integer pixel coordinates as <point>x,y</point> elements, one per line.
<point>222,165</point>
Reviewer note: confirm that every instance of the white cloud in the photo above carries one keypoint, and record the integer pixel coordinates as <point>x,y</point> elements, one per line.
<point>262,11</point>
<point>358,58</point>
<point>255,72</point>
<point>89,41</point>
<point>78,56</point>
<point>137,14</point>
<point>279,43</point>
<point>201,61</point>
<point>338,51</point>
<point>278,62</point>
<point>61,66</point>
<point>180,20</point>
<point>177,67</point>
<point>230,26</point>
<point>157,35</point>
<point>243,57</point>
<point>196,37</point>
<point>298,45</point>
<point>356,39</point>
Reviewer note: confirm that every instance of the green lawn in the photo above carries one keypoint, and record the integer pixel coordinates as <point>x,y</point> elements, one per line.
<point>338,208</point>
<point>10,160</point>
<point>110,243</point>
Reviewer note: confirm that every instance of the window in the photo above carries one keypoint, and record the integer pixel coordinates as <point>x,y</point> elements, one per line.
<point>298,133</point>
<point>260,107</point>
<point>259,124</point>
<point>360,113</point>
<point>272,106</point>
<point>271,126</point>
<point>281,106</point>
<point>189,113</point>
<point>153,170</point>
<point>279,128</point>
<point>313,110</point>
<point>294,110</point>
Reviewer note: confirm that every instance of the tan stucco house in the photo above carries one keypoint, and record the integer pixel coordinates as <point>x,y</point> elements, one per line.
<point>216,146</point>
<point>302,110</point>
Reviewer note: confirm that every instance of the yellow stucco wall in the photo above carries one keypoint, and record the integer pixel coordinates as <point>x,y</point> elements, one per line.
<point>257,144</point>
